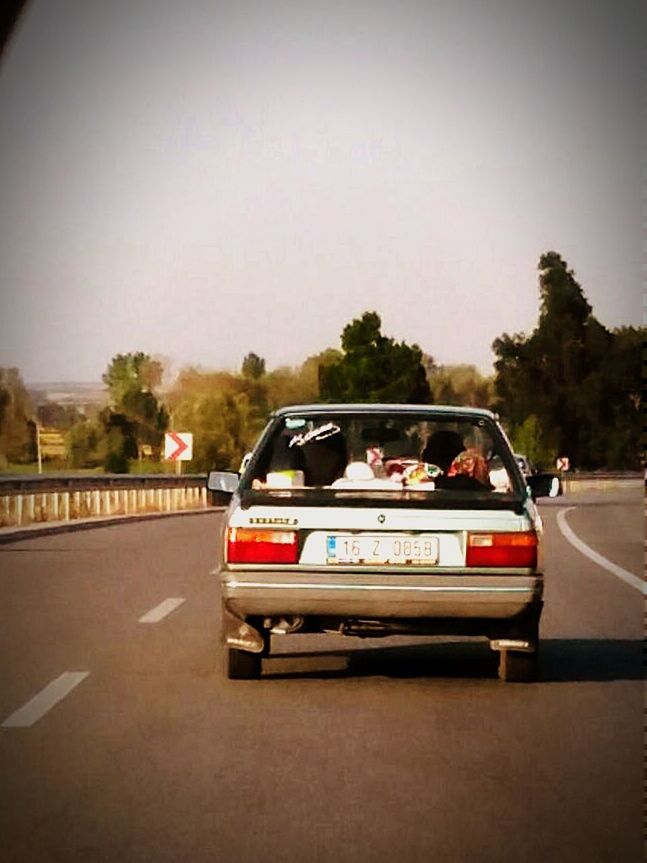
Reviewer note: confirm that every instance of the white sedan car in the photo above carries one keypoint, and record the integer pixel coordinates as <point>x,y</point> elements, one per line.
<point>370,520</point>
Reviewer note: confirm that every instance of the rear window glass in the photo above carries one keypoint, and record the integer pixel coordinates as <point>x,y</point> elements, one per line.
<point>389,454</point>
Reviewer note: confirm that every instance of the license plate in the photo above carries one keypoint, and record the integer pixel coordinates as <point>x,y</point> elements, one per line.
<point>420,550</point>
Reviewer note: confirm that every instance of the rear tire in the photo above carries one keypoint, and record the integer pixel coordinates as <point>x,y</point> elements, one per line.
<point>242,665</point>
<point>518,667</point>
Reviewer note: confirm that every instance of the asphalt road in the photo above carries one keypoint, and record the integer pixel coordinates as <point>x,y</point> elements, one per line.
<point>345,750</point>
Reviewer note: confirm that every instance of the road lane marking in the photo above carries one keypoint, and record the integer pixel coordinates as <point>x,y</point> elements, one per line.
<point>584,549</point>
<point>162,610</point>
<point>38,706</point>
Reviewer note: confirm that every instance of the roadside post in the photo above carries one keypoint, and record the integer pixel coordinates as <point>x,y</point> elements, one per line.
<point>39,452</point>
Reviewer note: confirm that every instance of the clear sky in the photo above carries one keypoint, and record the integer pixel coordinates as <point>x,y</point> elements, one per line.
<point>199,180</point>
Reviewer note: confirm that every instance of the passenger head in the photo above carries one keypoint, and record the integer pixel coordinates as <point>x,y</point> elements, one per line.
<point>325,460</point>
<point>442,447</point>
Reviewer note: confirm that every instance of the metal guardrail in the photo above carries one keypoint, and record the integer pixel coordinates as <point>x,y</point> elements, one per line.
<point>26,500</point>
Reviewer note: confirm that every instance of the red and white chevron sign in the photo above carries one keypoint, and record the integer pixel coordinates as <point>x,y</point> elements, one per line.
<point>178,446</point>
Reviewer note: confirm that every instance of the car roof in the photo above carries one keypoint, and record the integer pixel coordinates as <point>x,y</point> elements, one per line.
<point>363,407</point>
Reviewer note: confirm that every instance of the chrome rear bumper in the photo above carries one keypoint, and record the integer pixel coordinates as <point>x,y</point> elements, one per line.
<point>442,595</point>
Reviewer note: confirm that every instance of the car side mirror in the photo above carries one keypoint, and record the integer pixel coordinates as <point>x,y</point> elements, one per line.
<point>222,481</point>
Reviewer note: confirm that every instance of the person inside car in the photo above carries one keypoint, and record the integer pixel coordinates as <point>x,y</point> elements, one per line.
<point>462,465</point>
<point>441,448</point>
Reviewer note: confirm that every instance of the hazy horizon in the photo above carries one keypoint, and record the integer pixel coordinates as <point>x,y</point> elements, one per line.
<point>204,181</point>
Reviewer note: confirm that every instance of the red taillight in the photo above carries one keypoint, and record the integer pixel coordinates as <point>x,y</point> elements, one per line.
<point>502,549</point>
<point>249,545</point>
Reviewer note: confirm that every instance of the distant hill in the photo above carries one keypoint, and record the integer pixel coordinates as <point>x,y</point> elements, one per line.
<point>77,393</point>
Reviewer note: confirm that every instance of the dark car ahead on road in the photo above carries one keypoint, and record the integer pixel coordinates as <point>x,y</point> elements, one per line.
<point>372,520</point>
<point>542,484</point>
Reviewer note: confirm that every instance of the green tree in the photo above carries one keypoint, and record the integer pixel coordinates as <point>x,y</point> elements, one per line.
<point>138,415</point>
<point>290,386</point>
<point>17,442</point>
<point>215,406</point>
<point>527,438</point>
<point>461,385</point>
<point>131,371</point>
<point>223,426</point>
<point>58,416</point>
<point>82,444</point>
<point>253,367</point>
<point>374,368</point>
<point>117,443</point>
<point>621,383</point>
<point>568,375</point>
<point>253,384</point>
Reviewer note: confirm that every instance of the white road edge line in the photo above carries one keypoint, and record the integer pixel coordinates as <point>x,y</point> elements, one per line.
<point>162,610</point>
<point>39,705</point>
<point>584,549</point>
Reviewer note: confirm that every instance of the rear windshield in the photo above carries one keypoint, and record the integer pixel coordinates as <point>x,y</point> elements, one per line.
<point>383,455</point>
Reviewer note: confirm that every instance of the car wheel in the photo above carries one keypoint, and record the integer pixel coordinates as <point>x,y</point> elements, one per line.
<point>519,667</point>
<point>242,665</point>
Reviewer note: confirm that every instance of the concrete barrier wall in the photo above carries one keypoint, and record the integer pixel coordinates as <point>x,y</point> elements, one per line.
<point>574,483</point>
<point>33,501</point>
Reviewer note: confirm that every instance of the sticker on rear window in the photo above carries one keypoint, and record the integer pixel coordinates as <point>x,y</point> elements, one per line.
<point>316,434</point>
<point>294,422</point>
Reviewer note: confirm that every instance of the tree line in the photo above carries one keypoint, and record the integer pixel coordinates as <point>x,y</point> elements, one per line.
<point>570,388</point>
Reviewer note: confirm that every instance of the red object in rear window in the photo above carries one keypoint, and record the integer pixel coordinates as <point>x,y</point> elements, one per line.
<point>249,545</point>
<point>502,549</point>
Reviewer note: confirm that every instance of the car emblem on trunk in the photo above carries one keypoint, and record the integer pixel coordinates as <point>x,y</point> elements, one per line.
<point>282,521</point>
<point>381,518</point>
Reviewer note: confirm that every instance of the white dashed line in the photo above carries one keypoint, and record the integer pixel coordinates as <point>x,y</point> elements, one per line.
<point>54,692</point>
<point>162,610</point>
<point>625,575</point>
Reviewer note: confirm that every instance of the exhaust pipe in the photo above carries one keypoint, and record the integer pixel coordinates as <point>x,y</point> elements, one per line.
<point>512,644</point>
